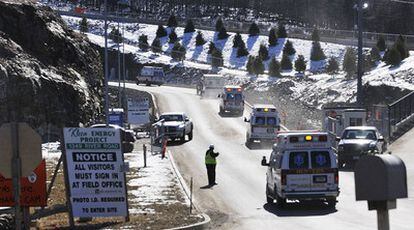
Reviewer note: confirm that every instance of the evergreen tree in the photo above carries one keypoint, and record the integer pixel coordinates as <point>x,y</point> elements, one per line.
<point>281,32</point>
<point>381,45</point>
<point>349,63</point>
<point>211,48</point>
<point>216,58</point>
<point>172,21</point>
<point>272,37</point>
<point>172,37</point>
<point>333,66</point>
<point>288,48</point>
<point>237,40</point>
<point>115,35</point>
<point>83,25</point>
<point>178,52</point>
<point>199,39</point>
<point>263,52</point>
<point>317,53</point>
<point>393,57</point>
<point>254,29</point>
<point>242,50</point>
<point>300,64</point>
<point>250,65</point>
<point>401,46</point>
<point>375,54</point>
<point>189,27</point>
<point>161,32</point>
<point>286,63</point>
<point>156,45</point>
<point>315,35</point>
<point>258,66</point>
<point>143,42</point>
<point>274,67</point>
<point>368,64</point>
<point>219,25</point>
<point>222,34</point>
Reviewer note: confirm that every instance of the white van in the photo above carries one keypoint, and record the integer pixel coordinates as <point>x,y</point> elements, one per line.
<point>151,75</point>
<point>302,166</point>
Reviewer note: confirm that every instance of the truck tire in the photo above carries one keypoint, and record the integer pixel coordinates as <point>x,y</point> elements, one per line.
<point>190,135</point>
<point>281,202</point>
<point>221,110</point>
<point>269,199</point>
<point>182,139</point>
<point>331,203</point>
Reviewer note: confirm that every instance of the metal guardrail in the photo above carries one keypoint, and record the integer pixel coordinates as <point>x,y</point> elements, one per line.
<point>400,111</point>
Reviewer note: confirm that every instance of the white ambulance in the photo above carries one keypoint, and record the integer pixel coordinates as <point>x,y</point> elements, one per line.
<point>302,166</point>
<point>231,100</point>
<point>264,124</point>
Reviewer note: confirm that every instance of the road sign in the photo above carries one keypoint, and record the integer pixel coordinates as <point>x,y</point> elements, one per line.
<point>116,116</point>
<point>33,189</point>
<point>94,162</point>
<point>30,150</point>
<point>138,111</point>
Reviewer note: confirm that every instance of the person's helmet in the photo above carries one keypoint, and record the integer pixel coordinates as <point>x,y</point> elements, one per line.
<point>211,146</point>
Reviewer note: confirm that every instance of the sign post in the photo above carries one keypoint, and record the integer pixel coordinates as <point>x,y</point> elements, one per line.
<point>95,177</point>
<point>22,171</point>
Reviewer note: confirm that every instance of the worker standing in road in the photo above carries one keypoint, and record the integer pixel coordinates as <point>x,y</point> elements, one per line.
<point>211,163</point>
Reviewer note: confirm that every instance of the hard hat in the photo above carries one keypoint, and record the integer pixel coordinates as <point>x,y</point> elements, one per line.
<point>211,146</point>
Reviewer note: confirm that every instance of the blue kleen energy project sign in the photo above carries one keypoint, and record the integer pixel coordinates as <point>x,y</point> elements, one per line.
<point>94,162</point>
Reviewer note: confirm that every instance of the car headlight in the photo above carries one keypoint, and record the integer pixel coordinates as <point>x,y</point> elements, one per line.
<point>372,145</point>
<point>181,126</point>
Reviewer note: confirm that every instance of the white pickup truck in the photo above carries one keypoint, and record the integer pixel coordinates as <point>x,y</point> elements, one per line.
<point>177,125</point>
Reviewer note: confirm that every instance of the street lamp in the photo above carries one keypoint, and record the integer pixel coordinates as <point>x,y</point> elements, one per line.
<point>360,6</point>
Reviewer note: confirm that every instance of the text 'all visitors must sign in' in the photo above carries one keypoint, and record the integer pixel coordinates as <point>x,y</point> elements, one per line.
<point>94,165</point>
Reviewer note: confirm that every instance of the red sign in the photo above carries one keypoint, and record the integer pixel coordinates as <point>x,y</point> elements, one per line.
<point>33,189</point>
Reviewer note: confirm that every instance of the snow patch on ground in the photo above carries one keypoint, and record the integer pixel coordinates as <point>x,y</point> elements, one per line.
<point>155,184</point>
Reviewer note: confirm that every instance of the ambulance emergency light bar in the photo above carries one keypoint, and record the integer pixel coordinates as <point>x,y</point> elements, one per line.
<point>233,89</point>
<point>266,110</point>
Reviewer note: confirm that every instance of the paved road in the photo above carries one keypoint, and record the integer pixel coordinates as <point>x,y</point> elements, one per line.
<point>238,201</point>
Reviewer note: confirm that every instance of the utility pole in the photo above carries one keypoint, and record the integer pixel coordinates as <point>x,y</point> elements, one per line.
<point>360,94</point>
<point>123,68</point>
<point>119,61</point>
<point>106,65</point>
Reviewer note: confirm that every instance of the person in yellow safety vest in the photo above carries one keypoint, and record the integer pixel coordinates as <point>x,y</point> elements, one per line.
<point>211,163</point>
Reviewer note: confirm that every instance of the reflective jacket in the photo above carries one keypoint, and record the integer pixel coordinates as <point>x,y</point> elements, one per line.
<point>210,158</point>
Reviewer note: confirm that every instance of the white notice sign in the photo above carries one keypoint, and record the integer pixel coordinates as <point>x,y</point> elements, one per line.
<point>138,111</point>
<point>96,179</point>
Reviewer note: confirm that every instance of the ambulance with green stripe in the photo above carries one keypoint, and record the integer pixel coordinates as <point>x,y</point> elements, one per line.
<point>302,166</point>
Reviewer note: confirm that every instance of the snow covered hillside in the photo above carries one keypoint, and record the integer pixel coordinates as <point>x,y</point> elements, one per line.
<point>312,89</point>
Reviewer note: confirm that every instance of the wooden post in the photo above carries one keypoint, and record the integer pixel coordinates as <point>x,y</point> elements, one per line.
<point>144,147</point>
<point>52,181</point>
<point>191,195</point>
<point>67,185</point>
<point>383,219</point>
<point>16,172</point>
<point>26,217</point>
